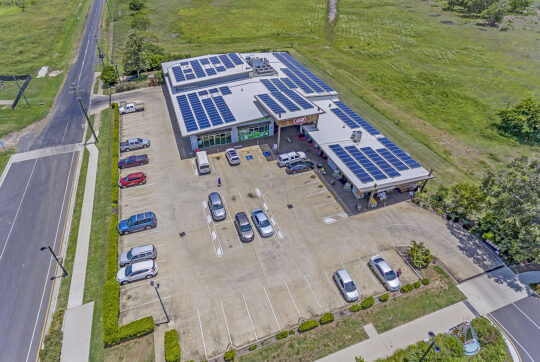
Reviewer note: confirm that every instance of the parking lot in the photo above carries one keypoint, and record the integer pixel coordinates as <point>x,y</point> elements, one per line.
<point>220,292</point>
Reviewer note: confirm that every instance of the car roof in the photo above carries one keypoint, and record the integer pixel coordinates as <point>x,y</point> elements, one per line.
<point>214,197</point>
<point>142,249</point>
<point>147,264</point>
<point>144,215</point>
<point>242,217</point>
<point>260,214</point>
<point>344,275</point>
<point>382,263</point>
<point>136,174</point>
<point>133,139</point>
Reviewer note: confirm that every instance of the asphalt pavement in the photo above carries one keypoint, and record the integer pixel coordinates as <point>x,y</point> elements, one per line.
<point>35,196</point>
<point>521,323</point>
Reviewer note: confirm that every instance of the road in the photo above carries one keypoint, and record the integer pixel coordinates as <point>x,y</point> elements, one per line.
<point>35,196</point>
<point>521,323</point>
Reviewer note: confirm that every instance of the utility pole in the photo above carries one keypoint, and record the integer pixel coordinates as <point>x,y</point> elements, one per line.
<point>109,11</point>
<point>101,55</point>
<point>156,287</point>
<point>437,348</point>
<point>55,257</point>
<point>84,111</point>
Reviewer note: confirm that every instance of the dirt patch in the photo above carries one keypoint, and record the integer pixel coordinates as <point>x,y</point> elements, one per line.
<point>22,139</point>
<point>332,11</point>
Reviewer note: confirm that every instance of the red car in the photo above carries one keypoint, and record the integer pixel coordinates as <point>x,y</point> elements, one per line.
<point>137,178</point>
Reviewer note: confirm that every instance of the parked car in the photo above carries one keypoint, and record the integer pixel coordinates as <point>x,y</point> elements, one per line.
<point>346,285</point>
<point>216,206</point>
<point>383,271</point>
<point>243,227</point>
<point>134,144</point>
<point>137,178</point>
<point>299,166</point>
<point>261,222</point>
<point>133,161</point>
<point>232,156</point>
<point>137,271</point>
<point>285,158</point>
<point>137,254</point>
<point>143,221</point>
<point>131,107</point>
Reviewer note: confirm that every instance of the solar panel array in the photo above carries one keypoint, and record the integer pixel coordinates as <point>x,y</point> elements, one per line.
<point>383,165</point>
<point>205,67</point>
<point>213,111</point>
<point>358,171</point>
<point>278,85</point>
<point>271,103</point>
<point>389,156</point>
<point>301,76</point>
<point>225,90</point>
<point>399,153</point>
<point>366,163</point>
<point>285,101</point>
<point>356,118</point>
<point>349,122</point>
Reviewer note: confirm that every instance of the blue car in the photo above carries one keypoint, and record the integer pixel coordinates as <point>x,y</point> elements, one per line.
<point>144,221</point>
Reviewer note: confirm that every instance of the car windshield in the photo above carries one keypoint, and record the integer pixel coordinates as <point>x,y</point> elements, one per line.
<point>131,220</point>
<point>245,227</point>
<point>217,207</point>
<point>265,223</point>
<point>350,287</point>
<point>390,275</point>
<point>128,270</point>
<point>129,255</point>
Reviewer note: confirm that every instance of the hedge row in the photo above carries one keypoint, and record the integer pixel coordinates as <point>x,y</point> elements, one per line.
<point>307,325</point>
<point>172,346</point>
<point>425,281</point>
<point>282,335</point>
<point>368,302</point>
<point>407,288</point>
<point>384,297</point>
<point>112,333</point>
<point>327,318</point>
<point>52,344</point>
<point>229,355</point>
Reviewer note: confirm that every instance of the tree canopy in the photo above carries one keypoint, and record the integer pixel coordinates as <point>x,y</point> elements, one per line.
<point>108,75</point>
<point>521,121</point>
<point>135,53</point>
<point>140,21</point>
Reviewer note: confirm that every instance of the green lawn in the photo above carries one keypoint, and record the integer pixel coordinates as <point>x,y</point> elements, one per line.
<point>45,34</point>
<point>4,158</point>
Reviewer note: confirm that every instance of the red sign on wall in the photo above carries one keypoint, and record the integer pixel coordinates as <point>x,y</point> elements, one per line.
<point>299,120</point>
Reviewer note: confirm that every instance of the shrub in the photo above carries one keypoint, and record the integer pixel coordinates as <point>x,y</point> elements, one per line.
<point>384,297</point>
<point>368,302</point>
<point>417,284</point>
<point>407,288</point>
<point>282,335</point>
<point>291,332</point>
<point>354,308</point>
<point>136,5</point>
<point>252,347</point>
<point>420,255</point>
<point>229,355</point>
<point>425,281</point>
<point>307,325</point>
<point>327,318</point>
<point>52,343</point>
<point>108,75</point>
<point>172,347</point>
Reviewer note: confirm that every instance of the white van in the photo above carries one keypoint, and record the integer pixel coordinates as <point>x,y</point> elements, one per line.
<point>203,166</point>
<point>285,158</point>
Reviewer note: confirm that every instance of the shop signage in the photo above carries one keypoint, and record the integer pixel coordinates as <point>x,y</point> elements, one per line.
<point>299,120</point>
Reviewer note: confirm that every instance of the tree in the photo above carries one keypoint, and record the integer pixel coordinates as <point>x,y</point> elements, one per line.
<point>108,75</point>
<point>494,13</point>
<point>420,255</point>
<point>512,199</point>
<point>136,5</point>
<point>140,21</point>
<point>465,200</point>
<point>135,54</point>
<point>518,5</point>
<point>521,121</point>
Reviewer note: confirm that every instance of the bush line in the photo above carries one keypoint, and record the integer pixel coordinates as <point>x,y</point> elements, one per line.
<point>172,346</point>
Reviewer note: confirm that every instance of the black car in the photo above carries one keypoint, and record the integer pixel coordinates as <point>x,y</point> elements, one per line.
<point>133,161</point>
<point>299,166</point>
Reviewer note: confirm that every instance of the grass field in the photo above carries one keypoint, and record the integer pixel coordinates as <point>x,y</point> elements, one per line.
<point>442,77</point>
<point>44,34</point>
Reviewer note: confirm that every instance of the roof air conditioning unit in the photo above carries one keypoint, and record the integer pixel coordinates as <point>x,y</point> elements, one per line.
<point>356,136</point>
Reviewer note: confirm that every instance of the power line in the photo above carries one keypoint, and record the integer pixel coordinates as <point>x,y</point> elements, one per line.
<point>84,111</point>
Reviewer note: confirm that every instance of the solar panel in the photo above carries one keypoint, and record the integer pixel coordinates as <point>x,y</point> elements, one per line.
<point>201,93</point>
<point>198,110</point>
<point>184,63</point>
<point>383,165</point>
<point>235,58</point>
<point>190,76</point>
<point>371,130</point>
<point>389,156</point>
<point>224,109</point>
<point>178,74</point>
<point>215,60</point>
<point>197,68</point>
<point>271,103</point>
<point>187,115</point>
<point>312,76</point>
<point>349,122</point>
<point>210,71</point>
<point>213,113</point>
<point>366,163</point>
<point>285,101</point>
<point>214,90</point>
<point>225,90</point>
<point>220,68</point>
<point>303,73</point>
<point>226,61</point>
<point>351,164</point>
<point>305,79</point>
<point>189,70</point>
<point>269,85</point>
<point>204,61</point>
<point>297,81</point>
<point>399,153</point>
<point>289,83</point>
<point>297,98</point>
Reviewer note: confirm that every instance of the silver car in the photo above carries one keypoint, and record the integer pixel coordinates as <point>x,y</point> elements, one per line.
<point>232,156</point>
<point>137,271</point>
<point>136,254</point>
<point>346,285</point>
<point>381,268</point>
<point>261,222</point>
<point>243,227</point>
<point>216,206</point>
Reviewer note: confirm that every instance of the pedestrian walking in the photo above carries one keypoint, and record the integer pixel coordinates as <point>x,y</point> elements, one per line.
<point>219,181</point>
<point>398,272</point>
<point>411,194</point>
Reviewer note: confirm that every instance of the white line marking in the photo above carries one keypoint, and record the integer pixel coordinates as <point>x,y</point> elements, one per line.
<point>305,184</point>
<point>194,168</point>
<point>226,324</point>
<point>65,131</point>
<point>140,285</point>
<point>295,306</point>
<point>212,164</point>
<point>143,234</point>
<point>210,231</point>
<point>370,272</point>
<point>204,205</point>
<point>265,206</point>
<point>312,292</point>
<point>273,221</point>
<point>515,340</point>
<point>247,213</point>
<point>326,203</point>
<point>333,287</point>
<point>208,219</point>
<point>202,334</point>
<point>150,302</point>
<point>149,208</point>
<point>240,241</point>
<point>258,192</point>
<point>19,208</point>
<point>249,315</point>
<point>274,313</point>
<point>522,312</point>
<point>138,197</point>
<point>214,235</point>
<point>280,235</point>
<point>316,193</point>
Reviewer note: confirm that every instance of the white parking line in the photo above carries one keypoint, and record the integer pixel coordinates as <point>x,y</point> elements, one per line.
<point>211,164</point>
<point>316,193</point>
<point>240,241</point>
<point>295,306</point>
<point>145,233</point>
<point>312,292</point>
<point>522,312</point>
<point>249,315</point>
<point>508,333</point>
<point>326,203</point>
<point>194,167</point>
<point>333,287</point>
<point>370,272</point>
<point>131,212</point>
<point>274,313</point>
<point>305,184</point>
<point>226,324</point>
<point>247,213</point>
<point>263,202</point>
<point>140,305</point>
<point>141,285</point>
<point>202,334</point>
<point>213,235</point>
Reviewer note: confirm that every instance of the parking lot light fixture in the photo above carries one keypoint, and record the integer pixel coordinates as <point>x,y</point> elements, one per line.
<point>156,287</point>
<point>56,258</point>
<point>437,349</point>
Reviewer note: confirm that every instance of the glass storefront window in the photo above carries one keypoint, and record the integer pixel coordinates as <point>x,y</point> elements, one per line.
<point>213,139</point>
<point>255,131</point>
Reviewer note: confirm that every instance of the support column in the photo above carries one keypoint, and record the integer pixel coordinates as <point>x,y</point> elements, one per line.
<point>278,136</point>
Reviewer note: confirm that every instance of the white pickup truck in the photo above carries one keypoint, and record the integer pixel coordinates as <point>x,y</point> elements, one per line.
<point>134,144</point>
<point>131,107</point>
<point>285,158</point>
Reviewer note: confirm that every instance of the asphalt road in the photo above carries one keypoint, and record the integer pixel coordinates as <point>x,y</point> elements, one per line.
<point>521,323</point>
<point>35,196</point>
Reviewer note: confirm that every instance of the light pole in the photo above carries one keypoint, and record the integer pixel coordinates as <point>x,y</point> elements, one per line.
<point>58,261</point>
<point>156,287</point>
<point>437,348</point>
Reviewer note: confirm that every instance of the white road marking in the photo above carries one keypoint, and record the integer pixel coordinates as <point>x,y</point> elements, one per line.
<point>240,241</point>
<point>131,212</point>
<point>333,287</point>
<point>515,340</point>
<point>208,219</point>
<point>274,313</point>
<point>312,292</point>
<point>212,164</point>
<point>316,193</point>
<point>295,306</point>
<point>522,312</point>
<point>194,168</point>
<point>143,304</point>
<point>138,197</point>
<point>249,315</point>
<point>258,192</point>
<point>280,235</point>
<point>143,234</point>
<point>326,203</point>
<point>265,206</point>
<point>273,221</point>
<point>141,285</point>
<point>247,213</point>
<point>204,205</point>
<point>305,184</point>
<point>226,324</point>
<point>370,272</point>
<point>214,235</point>
<point>202,334</point>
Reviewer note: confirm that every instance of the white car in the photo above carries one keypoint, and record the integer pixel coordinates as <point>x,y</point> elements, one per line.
<point>142,270</point>
<point>285,158</point>
<point>346,285</point>
<point>232,156</point>
<point>385,273</point>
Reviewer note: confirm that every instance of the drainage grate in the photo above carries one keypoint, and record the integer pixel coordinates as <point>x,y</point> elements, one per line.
<point>182,234</point>
<point>289,206</point>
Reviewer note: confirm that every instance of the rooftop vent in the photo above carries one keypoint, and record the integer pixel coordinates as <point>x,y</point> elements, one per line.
<point>261,65</point>
<point>356,136</point>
